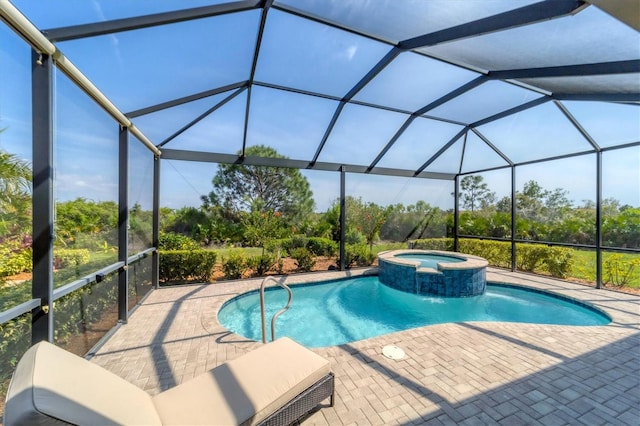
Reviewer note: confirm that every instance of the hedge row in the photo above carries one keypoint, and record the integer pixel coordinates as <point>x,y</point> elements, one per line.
<point>63,258</point>
<point>316,246</point>
<point>16,261</point>
<point>557,261</point>
<point>15,258</point>
<point>187,265</point>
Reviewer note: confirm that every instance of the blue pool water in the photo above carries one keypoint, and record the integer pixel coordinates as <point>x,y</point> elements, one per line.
<point>337,312</point>
<point>430,260</point>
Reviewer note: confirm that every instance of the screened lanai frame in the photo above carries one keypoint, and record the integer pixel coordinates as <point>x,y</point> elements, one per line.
<point>540,81</point>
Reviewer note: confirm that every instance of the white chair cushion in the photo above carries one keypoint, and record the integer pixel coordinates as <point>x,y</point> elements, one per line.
<point>52,386</point>
<point>245,390</point>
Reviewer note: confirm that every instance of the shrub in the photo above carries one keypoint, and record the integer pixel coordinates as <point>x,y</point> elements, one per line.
<point>353,236</point>
<point>233,266</point>
<point>64,258</point>
<point>530,257</point>
<point>16,262</point>
<point>559,262</point>
<point>298,241</point>
<point>358,254</point>
<point>304,258</point>
<point>316,245</point>
<point>15,253</point>
<point>322,246</point>
<point>174,241</point>
<point>497,253</point>
<point>444,244</point>
<point>94,242</point>
<point>261,264</point>
<point>186,265</point>
<point>277,245</point>
<point>619,271</point>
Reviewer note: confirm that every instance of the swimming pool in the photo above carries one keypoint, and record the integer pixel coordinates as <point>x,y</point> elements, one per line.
<point>429,260</point>
<point>336,312</point>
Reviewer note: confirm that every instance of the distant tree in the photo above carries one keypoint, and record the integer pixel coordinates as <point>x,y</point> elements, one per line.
<point>370,218</point>
<point>84,223</point>
<point>140,227</point>
<point>15,194</point>
<point>537,203</point>
<point>239,187</point>
<point>187,220</point>
<point>475,193</point>
<point>504,205</point>
<point>261,226</point>
<point>530,202</point>
<point>557,204</point>
<point>329,222</point>
<point>414,221</point>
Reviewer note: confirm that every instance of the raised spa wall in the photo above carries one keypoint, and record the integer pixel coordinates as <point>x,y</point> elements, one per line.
<point>451,279</point>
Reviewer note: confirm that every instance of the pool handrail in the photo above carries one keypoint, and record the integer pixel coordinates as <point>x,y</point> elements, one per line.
<point>277,314</point>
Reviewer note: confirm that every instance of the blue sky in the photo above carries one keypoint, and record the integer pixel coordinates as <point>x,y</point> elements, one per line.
<point>146,67</point>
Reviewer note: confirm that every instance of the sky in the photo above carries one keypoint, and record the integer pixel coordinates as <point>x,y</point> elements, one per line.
<point>150,66</point>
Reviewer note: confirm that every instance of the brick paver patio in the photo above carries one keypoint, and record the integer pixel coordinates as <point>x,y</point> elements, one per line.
<point>472,373</point>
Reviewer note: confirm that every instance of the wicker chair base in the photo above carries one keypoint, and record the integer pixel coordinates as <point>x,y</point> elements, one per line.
<point>304,403</point>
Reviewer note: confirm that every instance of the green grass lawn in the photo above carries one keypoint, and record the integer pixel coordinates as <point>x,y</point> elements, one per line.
<point>383,246</point>
<point>246,251</point>
<point>584,266</point>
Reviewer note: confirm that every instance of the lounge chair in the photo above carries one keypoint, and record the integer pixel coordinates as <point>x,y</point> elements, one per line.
<point>275,384</point>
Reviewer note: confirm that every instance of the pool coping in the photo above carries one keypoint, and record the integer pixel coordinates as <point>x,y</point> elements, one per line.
<point>469,261</point>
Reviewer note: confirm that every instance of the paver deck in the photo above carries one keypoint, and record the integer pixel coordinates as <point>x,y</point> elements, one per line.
<point>472,373</point>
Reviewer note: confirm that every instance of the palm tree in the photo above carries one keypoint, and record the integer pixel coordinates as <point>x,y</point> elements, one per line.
<point>15,194</point>
<point>15,178</point>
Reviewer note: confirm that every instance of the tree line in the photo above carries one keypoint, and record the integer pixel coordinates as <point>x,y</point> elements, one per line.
<point>545,215</point>
<point>249,204</point>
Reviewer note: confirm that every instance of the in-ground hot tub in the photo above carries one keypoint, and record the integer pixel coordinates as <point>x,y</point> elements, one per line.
<point>432,272</point>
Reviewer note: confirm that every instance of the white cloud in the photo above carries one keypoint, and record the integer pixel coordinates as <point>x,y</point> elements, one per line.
<point>351,51</point>
<point>69,186</point>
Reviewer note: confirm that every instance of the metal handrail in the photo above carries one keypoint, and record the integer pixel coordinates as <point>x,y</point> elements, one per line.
<point>277,314</point>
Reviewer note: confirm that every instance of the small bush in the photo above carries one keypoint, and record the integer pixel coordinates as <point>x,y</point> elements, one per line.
<point>304,258</point>
<point>297,241</point>
<point>353,236</point>
<point>64,258</point>
<point>358,255</point>
<point>233,266</point>
<point>261,264</point>
<point>16,262</point>
<point>186,265</point>
<point>316,245</point>
<point>277,245</point>
<point>322,246</point>
<point>15,253</point>
<point>619,271</point>
<point>444,244</point>
<point>530,257</point>
<point>559,262</point>
<point>497,253</point>
<point>174,241</point>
